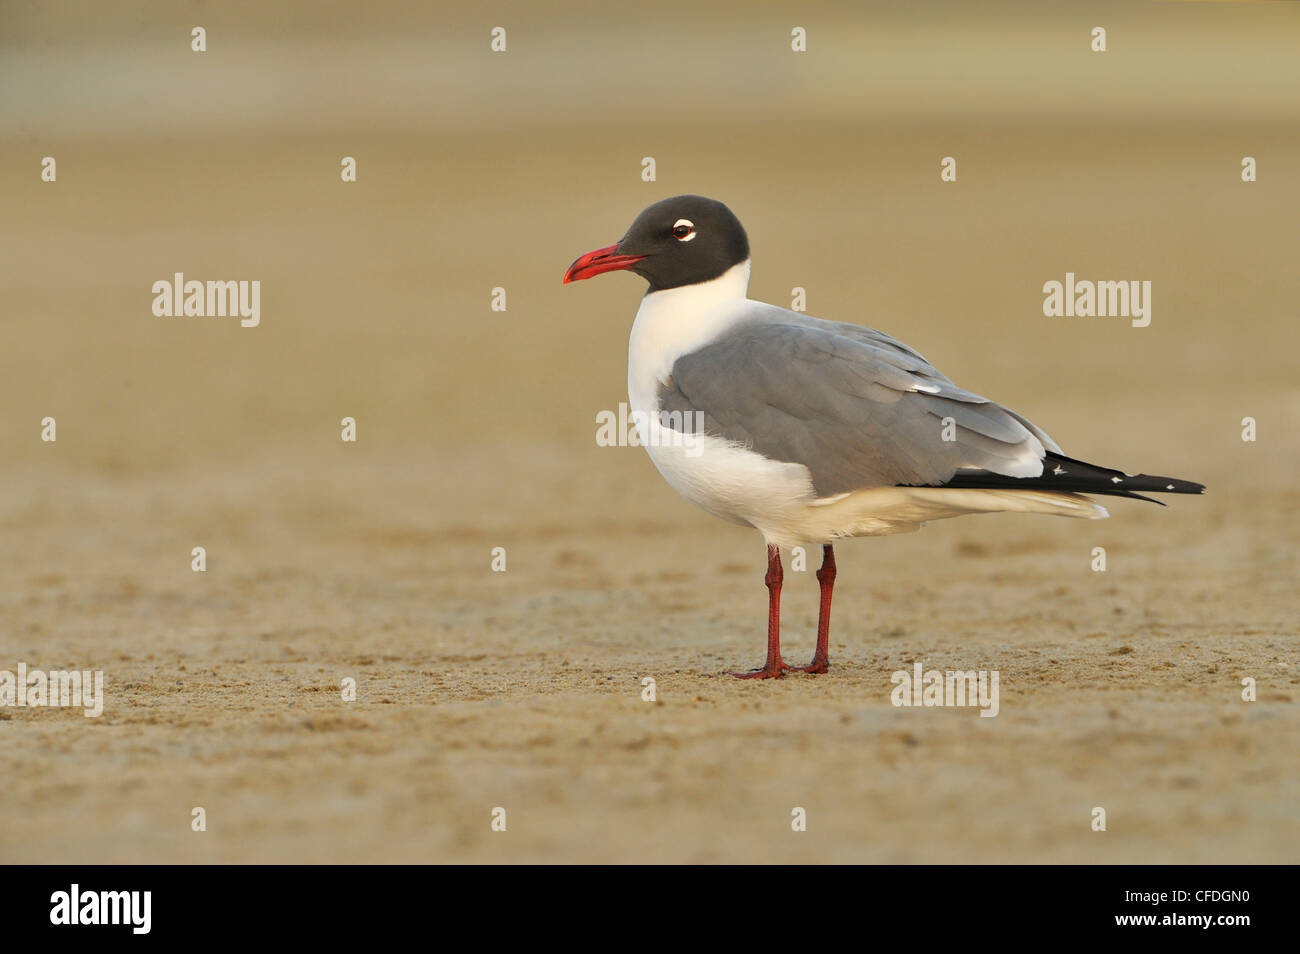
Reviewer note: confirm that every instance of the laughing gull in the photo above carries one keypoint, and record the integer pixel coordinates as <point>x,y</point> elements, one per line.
<point>814,430</point>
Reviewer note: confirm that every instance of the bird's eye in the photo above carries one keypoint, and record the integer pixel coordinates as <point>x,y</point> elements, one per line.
<point>683,230</point>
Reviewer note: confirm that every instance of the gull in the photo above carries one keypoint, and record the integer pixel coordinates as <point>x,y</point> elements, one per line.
<point>809,430</point>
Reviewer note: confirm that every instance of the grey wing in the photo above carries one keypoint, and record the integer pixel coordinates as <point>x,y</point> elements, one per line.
<point>855,407</point>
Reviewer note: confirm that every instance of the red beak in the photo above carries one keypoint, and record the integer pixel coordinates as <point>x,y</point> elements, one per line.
<point>598,262</point>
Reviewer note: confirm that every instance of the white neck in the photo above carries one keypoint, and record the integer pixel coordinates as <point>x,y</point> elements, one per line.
<point>673,321</point>
<point>731,284</point>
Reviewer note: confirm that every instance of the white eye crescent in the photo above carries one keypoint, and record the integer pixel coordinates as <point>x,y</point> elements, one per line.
<point>683,230</point>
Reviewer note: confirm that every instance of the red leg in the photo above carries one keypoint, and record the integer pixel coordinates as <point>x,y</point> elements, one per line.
<point>774,665</point>
<point>821,661</point>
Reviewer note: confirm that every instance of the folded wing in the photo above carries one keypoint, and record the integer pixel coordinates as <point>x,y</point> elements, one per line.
<point>859,410</point>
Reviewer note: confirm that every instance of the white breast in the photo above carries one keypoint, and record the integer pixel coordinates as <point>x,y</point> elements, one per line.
<point>727,480</point>
<point>675,321</point>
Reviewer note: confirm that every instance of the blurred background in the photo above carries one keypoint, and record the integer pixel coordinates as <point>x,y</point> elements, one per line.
<point>476,428</point>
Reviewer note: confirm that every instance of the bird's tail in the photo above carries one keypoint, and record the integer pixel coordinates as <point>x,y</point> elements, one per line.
<point>1076,476</point>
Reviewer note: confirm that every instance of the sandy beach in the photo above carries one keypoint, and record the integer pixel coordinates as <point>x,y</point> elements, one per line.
<point>372,560</point>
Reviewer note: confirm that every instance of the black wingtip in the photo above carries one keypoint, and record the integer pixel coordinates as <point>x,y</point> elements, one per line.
<point>1158,503</point>
<point>1170,485</point>
<point>1075,476</point>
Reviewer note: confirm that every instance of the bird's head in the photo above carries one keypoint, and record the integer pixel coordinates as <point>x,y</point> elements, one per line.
<point>683,240</point>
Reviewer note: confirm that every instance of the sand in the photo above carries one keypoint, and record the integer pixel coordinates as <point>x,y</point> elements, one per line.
<point>522,689</point>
